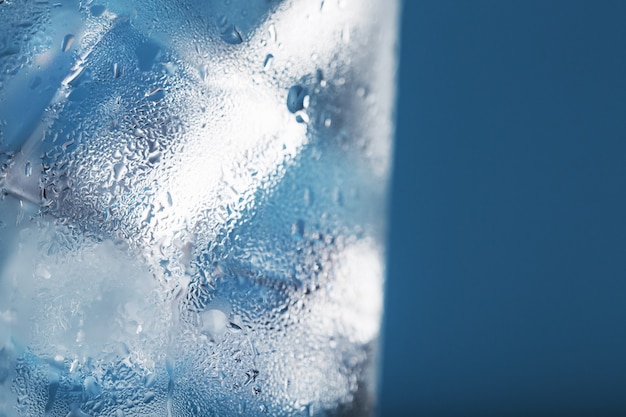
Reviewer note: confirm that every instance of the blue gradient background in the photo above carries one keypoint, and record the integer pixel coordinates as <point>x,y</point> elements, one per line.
<point>506,293</point>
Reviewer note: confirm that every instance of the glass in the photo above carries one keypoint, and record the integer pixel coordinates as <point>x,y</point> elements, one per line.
<point>192,219</point>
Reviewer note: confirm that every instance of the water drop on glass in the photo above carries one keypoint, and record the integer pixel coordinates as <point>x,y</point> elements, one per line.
<point>154,157</point>
<point>91,386</point>
<point>215,323</point>
<point>35,82</point>
<point>119,170</point>
<point>272,31</point>
<point>147,53</point>
<point>268,61</point>
<point>97,10</point>
<point>117,70</point>
<point>230,34</point>
<point>345,34</point>
<point>68,40</point>
<point>302,117</point>
<point>298,228</point>
<point>156,94</point>
<point>295,98</point>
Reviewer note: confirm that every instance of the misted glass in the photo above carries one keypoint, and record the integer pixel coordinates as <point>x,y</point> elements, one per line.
<point>193,206</point>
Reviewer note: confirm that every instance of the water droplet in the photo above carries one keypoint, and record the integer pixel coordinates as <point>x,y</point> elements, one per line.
<point>308,196</point>
<point>119,170</point>
<point>68,40</point>
<point>251,377</point>
<point>148,397</point>
<point>272,31</point>
<point>147,53</point>
<point>117,70</point>
<point>97,10</point>
<point>154,157</point>
<point>268,61</point>
<point>230,34</point>
<point>78,76</point>
<point>298,228</point>
<point>302,117</point>
<point>214,322</point>
<point>345,34</point>
<point>156,94</point>
<point>327,122</point>
<point>91,386</point>
<point>150,380</point>
<point>28,169</point>
<point>35,82</point>
<point>295,98</point>
<point>42,272</point>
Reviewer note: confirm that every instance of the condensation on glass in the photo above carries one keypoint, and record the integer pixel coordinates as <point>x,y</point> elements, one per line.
<point>192,218</point>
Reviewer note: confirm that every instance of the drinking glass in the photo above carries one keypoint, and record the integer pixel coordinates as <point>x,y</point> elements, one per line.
<point>193,208</point>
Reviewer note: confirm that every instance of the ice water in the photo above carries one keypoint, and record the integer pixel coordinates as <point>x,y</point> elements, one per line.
<point>192,217</point>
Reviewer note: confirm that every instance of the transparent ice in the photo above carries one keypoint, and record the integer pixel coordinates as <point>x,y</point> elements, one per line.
<point>192,216</point>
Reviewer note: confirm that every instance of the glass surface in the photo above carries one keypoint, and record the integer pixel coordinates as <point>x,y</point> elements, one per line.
<point>192,218</point>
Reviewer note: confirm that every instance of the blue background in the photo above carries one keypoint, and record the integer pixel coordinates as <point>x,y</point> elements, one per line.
<point>506,293</point>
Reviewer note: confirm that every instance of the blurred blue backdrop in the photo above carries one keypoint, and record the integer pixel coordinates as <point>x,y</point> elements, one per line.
<point>506,292</point>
